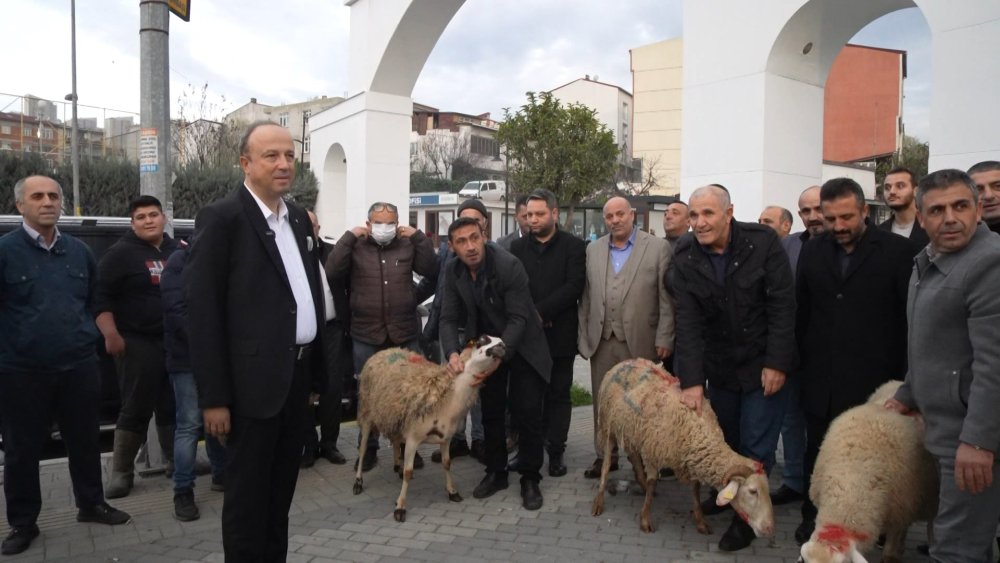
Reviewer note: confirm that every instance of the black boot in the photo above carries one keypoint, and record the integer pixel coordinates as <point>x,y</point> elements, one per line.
<point>738,536</point>
<point>556,466</point>
<point>122,477</point>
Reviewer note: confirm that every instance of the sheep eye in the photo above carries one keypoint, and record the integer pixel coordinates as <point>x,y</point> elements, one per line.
<point>752,491</point>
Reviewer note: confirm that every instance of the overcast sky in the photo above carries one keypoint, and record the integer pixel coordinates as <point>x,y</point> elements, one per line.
<point>281,52</point>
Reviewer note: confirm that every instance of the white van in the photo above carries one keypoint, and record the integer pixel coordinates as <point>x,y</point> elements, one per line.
<point>487,190</point>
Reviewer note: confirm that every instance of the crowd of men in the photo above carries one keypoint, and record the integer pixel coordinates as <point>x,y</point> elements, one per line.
<point>781,331</point>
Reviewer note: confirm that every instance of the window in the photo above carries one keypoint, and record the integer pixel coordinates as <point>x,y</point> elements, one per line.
<point>305,146</point>
<point>5,129</point>
<point>27,131</point>
<point>47,133</point>
<point>6,147</point>
<point>484,145</point>
<point>283,119</point>
<point>413,148</point>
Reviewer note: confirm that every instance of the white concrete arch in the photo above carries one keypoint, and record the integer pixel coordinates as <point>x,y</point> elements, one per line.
<point>753,95</point>
<point>389,45</point>
<point>334,190</point>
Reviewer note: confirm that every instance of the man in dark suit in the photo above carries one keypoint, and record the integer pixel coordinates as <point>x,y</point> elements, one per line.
<point>556,263</point>
<point>256,349</point>
<point>851,317</point>
<point>337,348</point>
<point>487,287</point>
<point>898,191</point>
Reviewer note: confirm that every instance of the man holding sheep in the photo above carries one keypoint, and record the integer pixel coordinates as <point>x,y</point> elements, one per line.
<point>953,309</point>
<point>487,287</point>
<point>735,329</point>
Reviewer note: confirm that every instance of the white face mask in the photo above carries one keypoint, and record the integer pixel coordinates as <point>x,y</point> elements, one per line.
<point>383,233</point>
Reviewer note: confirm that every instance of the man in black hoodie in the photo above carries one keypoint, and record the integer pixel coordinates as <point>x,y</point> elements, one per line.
<point>130,317</point>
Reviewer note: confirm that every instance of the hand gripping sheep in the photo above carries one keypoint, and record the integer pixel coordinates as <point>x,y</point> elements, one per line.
<point>640,408</point>
<point>413,401</point>
<point>872,475</point>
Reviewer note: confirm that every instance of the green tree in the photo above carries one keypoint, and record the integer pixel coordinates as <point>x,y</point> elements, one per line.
<point>13,167</point>
<point>563,148</point>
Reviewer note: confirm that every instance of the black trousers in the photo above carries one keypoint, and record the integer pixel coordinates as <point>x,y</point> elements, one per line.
<point>29,402</point>
<point>262,467</point>
<point>816,427</point>
<point>558,405</point>
<point>327,413</point>
<point>517,386</point>
<point>144,385</point>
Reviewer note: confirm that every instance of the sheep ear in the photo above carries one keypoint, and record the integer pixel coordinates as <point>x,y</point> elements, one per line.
<point>855,555</point>
<point>728,493</point>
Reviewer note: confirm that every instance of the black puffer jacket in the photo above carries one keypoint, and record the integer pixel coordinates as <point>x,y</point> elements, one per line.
<point>383,302</point>
<point>726,334</point>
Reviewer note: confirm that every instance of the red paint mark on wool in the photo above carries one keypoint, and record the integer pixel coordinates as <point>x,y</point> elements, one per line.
<point>758,467</point>
<point>839,538</point>
<point>416,359</point>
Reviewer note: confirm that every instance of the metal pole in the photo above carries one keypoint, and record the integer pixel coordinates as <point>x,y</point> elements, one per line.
<point>154,115</point>
<point>74,146</point>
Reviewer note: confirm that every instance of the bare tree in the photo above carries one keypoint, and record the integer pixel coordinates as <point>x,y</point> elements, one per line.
<point>202,134</point>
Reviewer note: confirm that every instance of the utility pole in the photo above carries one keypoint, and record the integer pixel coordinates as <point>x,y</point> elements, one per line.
<point>154,113</point>
<point>74,147</point>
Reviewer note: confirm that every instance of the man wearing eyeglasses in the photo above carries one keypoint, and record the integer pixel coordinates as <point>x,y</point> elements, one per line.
<point>378,260</point>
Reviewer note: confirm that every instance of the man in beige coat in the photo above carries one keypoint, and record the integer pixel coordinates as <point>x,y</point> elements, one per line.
<point>625,311</point>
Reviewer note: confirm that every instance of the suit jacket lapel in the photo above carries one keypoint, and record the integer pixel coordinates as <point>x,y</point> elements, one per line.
<point>264,232</point>
<point>861,253</point>
<point>603,257</point>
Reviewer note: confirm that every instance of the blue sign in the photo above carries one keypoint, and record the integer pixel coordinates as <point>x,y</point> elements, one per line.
<point>148,167</point>
<point>425,199</point>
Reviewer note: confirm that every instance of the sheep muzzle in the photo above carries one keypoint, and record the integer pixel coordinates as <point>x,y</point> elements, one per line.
<point>498,351</point>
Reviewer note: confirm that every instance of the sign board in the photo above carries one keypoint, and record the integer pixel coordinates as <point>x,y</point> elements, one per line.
<point>180,8</point>
<point>149,155</point>
<point>434,199</point>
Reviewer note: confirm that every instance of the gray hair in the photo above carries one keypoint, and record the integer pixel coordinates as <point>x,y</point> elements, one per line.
<point>720,192</point>
<point>943,179</point>
<point>786,215</point>
<point>19,187</point>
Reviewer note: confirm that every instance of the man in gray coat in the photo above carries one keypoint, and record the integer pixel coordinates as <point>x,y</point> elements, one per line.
<point>953,310</point>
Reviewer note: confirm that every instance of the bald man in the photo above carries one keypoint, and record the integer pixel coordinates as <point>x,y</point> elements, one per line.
<point>778,218</point>
<point>735,329</point>
<point>625,312</point>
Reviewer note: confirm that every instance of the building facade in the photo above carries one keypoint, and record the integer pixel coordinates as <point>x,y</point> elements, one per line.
<point>294,117</point>
<point>452,145</point>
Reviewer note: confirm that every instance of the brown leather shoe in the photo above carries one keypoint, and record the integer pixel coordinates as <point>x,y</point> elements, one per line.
<point>594,471</point>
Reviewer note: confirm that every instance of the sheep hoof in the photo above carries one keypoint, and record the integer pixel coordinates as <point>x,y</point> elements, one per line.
<point>704,529</point>
<point>598,508</point>
<point>646,526</point>
<point>398,469</point>
<point>358,486</point>
<point>454,497</point>
<point>399,514</point>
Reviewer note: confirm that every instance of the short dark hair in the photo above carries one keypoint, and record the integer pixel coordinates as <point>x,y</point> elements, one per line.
<point>521,201</point>
<point>943,179</point>
<point>547,196</point>
<point>245,139</point>
<point>144,201</point>
<point>901,170</point>
<point>462,222</point>
<point>984,166</point>
<point>721,187</point>
<point>841,187</point>
<point>677,200</point>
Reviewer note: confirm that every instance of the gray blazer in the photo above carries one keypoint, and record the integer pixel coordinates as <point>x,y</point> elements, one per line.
<point>953,311</point>
<point>648,310</point>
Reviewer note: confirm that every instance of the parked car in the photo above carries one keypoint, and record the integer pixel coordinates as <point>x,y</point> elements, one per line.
<point>99,233</point>
<point>487,190</point>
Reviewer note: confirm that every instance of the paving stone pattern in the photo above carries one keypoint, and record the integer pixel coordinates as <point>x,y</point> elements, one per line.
<point>330,523</point>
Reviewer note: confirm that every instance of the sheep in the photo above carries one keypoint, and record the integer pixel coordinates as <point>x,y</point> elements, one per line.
<point>640,407</point>
<point>413,401</point>
<point>872,475</point>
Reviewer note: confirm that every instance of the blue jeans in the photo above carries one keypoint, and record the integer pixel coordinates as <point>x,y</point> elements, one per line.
<point>188,432</point>
<point>750,421</point>
<point>793,437</point>
<point>362,351</point>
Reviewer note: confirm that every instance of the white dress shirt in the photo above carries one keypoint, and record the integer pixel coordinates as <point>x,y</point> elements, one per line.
<point>284,237</point>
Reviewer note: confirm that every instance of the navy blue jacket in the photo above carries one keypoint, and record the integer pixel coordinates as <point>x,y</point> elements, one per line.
<point>46,300</point>
<point>175,320</point>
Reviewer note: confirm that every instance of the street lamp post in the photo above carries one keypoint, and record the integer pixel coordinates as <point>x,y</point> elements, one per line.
<point>74,146</point>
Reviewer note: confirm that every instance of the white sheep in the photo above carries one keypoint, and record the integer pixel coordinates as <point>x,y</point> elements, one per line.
<point>872,475</point>
<point>640,408</point>
<point>413,401</point>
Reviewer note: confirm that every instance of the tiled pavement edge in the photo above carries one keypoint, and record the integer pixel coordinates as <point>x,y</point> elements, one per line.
<point>329,523</point>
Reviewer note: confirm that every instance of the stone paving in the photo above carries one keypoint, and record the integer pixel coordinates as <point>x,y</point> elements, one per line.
<point>330,523</point>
